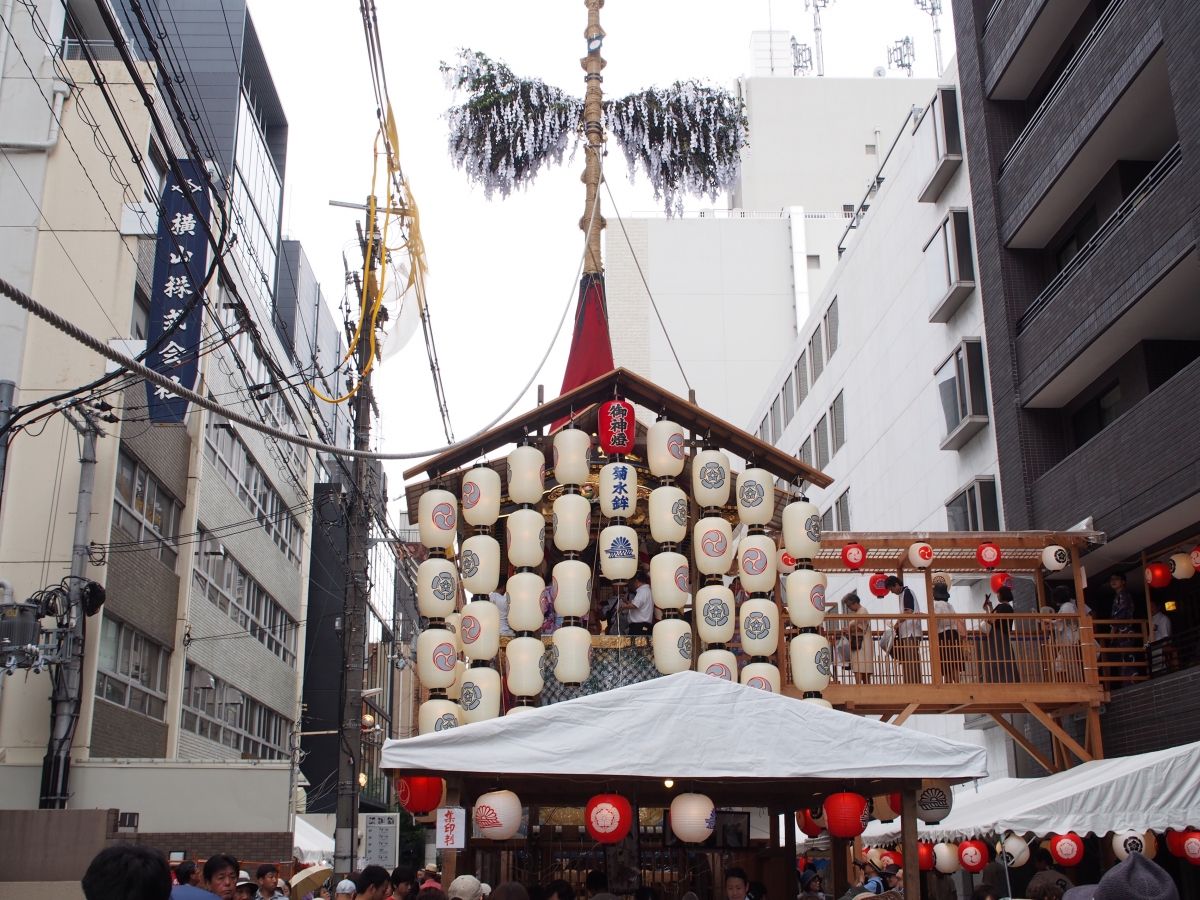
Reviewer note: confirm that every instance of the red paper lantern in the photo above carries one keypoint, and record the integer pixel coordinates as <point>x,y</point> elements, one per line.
<point>846,815</point>
<point>854,555</point>
<point>878,584</point>
<point>1196,557</point>
<point>615,426</point>
<point>1001,579</point>
<point>608,818</point>
<point>973,855</point>
<point>1067,849</point>
<point>892,858</point>
<point>805,820</point>
<point>988,555</point>
<point>894,802</point>
<point>420,794</point>
<point>1191,847</point>
<point>1175,842</point>
<point>925,857</point>
<point>1158,575</point>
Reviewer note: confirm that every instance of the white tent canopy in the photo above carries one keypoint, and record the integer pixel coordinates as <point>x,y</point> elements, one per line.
<point>310,844</point>
<point>688,726</point>
<point>1148,792</point>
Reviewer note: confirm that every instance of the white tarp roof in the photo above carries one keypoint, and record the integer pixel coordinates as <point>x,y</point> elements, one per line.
<point>688,725</point>
<point>311,844</point>
<point>1148,792</point>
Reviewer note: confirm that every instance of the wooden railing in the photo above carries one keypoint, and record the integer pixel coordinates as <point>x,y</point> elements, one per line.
<point>1122,653</point>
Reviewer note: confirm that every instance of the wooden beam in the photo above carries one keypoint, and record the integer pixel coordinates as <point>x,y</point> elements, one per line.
<point>840,864</point>
<point>908,836</point>
<point>1024,743</point>
<point>1095,738</point>
<point>1055,729</point>
<point>908,711</point>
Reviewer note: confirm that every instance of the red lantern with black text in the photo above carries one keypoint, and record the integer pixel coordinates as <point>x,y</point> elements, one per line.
<point>608,818</point>
<point>1067,849</point>
<point>988,555</point>
<point>805,820</point>
<point>854,555</point>
<point>1158,575</point>
<point>973,855</point>
<point>615,427</point>
<point>925,857</point>
<point>420,794</point>
<point>878,584</point>
<point>1001,579</point>
<point>846,815</point>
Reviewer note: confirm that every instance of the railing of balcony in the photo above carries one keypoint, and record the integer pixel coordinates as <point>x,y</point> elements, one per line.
<point>100,50</point>
<point>1124,657</point>
<point>1161,170</point>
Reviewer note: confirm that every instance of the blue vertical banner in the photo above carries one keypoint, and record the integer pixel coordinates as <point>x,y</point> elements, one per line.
<point>180,254</point>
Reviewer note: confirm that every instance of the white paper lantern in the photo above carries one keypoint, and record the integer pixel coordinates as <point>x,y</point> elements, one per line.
<point>817,701</point>
<point>670,580</point>
<point>756,563</point>
<point>920,555</point>
<point>801,530</point>
<point>481,496</point>
<point>438,715</point>
<point>455,690</point>
<point>945,858</point>
<point>693,818</point>
<point>526,535</point>
<point>454,625</point>
<point>498,815</point>
<point>480,696</point>
<point>712,543</point>
<point>570,456</point>
<point>672,643</point>
<point>571,588</point>
<point>437,651</point>
<point>1055,558</point>
<point>572,522</point>
<point>762,676</point>
<point>664,448</point>
<point>812,662</point>
<point>806,598</point>
<point>437,518</point>
<point>1126,842</point>
<point>437,588</point>
<point>618,549</point>
<point>1181,566</point>
<point>479,630</point>
<point>758,623</point>
<point>717,616</point>
<point>617,490</point>
<point>719,664</point>
<point>756,497</point>
<point>934,802</point>
<point>524,657</point>
<point>526,475</point>
<point>710,478</point>
<point>525,602</point>
<point>668,514</point>
<point>479,563</point>
<point>573,654</point>
<point>1013,853</point>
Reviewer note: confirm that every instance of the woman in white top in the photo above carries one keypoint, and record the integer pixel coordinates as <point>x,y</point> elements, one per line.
<point>862,642</point>
<point>951,634</point>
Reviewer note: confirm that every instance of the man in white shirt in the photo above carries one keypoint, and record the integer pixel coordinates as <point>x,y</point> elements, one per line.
<point>501,601</point>
<point>1160,621</point>
<point>906,648</point>
<point>637,613</point>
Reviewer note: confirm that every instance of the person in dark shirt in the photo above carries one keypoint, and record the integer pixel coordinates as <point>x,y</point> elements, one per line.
<point>1122,612</point>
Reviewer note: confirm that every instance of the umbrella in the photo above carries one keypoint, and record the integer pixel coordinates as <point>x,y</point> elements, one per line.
<point>308,880</point>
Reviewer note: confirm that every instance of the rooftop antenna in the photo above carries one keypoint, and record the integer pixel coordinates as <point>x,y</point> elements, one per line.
<point>901,55</point>
<point>934,8</point>
<point>816,6</point>
<point>802,58</point>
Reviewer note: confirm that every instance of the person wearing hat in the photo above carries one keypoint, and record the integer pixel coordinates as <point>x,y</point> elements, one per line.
<point>1136,877</point>
<point>345,889</point>
<point>872,882</point>
<point>246,887</point>
<point>431,878</point>
<point>465,887</point>
<point>810,885</point>
<point>892,876</point>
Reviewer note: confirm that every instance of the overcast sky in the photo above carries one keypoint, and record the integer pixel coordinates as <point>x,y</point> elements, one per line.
<point>501,272</point>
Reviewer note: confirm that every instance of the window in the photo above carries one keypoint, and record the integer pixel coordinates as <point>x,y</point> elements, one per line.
<point>805,455</point>
<point>146,512</point>
<point>256,194</point>
<point>949,267</point>
<point>132,670</point>
<point>225,450</point>
<point>837,420</point>
<point>1097,414</point>
<point>831,328</point>
<point>814,260</point>
<point>801,374</point>
<point>827,521</point>
<point>1083,231</point>
<point>776,420</point>
<point>974,508</point>
<point>217,576</point>
<point>821,442</point>
<point>139,323</point>
<point>963,396</point>
<point>815,350</point>
<point>789,405</point>
<point>222,713</point>
<point>871,151</point>
<point>848,210</point>
<point>941,140</point>
<point>764,429</point>
<point>842,508</point>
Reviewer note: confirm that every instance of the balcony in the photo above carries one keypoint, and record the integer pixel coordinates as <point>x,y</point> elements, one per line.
<point>1020,40</point>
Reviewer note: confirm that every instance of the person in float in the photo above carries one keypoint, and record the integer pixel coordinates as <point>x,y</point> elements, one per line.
<point>906,646</point>
<point>736,884</point>
<point>1043,862</point>
<point>636,614</point>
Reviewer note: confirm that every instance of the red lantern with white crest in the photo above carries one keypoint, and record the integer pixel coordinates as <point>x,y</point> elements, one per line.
<point>878,584</point>
<point>419,794</point>
<point>608,818</point>
<point>999,580</point>
<point>988,555</point>
<point>846,815</point>
<point>615,427</point>
<point>854,556</point>
<point>805,820</point>
<point>1158,575</point>
<point>1067,849</point>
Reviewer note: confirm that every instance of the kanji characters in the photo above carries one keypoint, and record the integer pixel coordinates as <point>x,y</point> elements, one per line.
<point>178,286</point>
<point>183,223</point>
<point>172,355</point>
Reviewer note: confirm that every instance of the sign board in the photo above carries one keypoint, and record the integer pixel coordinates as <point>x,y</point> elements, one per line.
<point>382,843</point>
<point>451,828</point>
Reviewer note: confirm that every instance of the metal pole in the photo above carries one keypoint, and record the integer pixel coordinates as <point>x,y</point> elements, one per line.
<point>7,390</point>
<point>937,43</point>
<point>820,46</point>
<point>68,674</point>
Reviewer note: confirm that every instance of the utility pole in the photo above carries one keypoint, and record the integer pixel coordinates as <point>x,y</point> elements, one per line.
<point>67,675</point>
<point>593,129</point>
<point>354,633</point>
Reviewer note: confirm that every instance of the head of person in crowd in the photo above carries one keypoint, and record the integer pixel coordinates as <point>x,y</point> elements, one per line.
<point>985,892</point>
<point>510,890</point>
<point>221,874</point>
<point>345,890</point>
<point>596,883</point>
<point>736,884</point>
<point>810,882</point>
<point>465,887</point>
<point>1005,595</point>
<point>432,892</point>
<point>245,889</point>
<point>373,883</point>
<point>1116,581</point>
<point>267,877</point>
<point>485,890</point>
<point>285,888</point>
<point>891,876</point>
<point>1060,595</point>
<point>431,874</point>
<point>941,591</point>
<point>1042,860</point>
<point>187,872</point>
<point>1136,878</point>
<point>756,890</point>
<point>127,872</point>
<point>403,882</point>
<point>559,890</point>
<point>1045,890</point>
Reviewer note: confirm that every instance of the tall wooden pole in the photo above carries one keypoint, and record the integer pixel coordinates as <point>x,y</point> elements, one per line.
<point>593,128</point>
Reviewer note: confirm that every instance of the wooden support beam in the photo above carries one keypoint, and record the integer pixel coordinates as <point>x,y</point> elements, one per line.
<point>908,836</point>
<point>1055,729</point>
<point>908,711</point>
<point>450,857</point>
<point>1095,739</point>
<point>1023,742</point>
<point>839,862</point>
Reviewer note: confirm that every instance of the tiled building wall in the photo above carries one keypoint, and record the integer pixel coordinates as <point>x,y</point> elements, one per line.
<point>121,733</point>
<point>1153,715</point>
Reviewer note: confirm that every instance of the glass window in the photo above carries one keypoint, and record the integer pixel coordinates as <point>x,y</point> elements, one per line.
<point>789,404</point>
<point>805,455</point>
<point>815,351</point>
<point>146,512</point>
<point>827,520</point>
<point>132,670</point>
<point>831,328</point>
<point>962,391</point>
<point>776,420</point>
<point>974,508</point>
<point>821,442</point>
<point>842,508</point>
<point>801,373</point>
<point>220,712</point>
<point>837,419</point>
<point>764,429</point>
